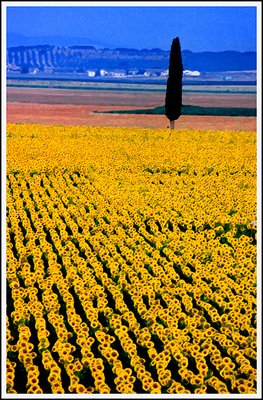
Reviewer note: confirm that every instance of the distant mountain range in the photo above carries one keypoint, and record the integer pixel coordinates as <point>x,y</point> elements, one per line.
<point>81,58</point>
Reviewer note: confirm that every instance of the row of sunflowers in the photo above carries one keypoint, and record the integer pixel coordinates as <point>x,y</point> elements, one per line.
<point>131,261</point>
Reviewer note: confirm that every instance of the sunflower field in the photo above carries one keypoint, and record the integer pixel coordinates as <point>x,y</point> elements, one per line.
<point>131,261</point>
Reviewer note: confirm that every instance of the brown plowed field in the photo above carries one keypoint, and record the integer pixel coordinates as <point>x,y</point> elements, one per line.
<point>75,107</point>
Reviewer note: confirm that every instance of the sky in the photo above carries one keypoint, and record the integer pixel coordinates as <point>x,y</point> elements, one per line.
<point>202,26</point>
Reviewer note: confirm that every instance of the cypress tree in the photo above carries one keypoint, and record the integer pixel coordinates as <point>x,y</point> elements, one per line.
<point>173,98</point>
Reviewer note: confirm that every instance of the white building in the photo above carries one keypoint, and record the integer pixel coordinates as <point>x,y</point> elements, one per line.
<point>187,72</point>
<point>91,73</point>
<point>103,72</point>
<point>118,74</point>
<point>165,73</point>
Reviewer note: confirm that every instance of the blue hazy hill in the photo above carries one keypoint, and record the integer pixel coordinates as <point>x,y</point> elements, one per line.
<point>80,54</point>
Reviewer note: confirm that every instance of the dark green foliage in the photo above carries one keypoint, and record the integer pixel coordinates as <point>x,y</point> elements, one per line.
<point>195,110</point>
<point>173,98</point>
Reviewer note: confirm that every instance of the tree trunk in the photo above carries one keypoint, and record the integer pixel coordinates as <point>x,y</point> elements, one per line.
<point>171,124</point>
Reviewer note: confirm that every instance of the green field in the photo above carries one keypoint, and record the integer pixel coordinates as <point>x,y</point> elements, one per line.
<point>194,110</point>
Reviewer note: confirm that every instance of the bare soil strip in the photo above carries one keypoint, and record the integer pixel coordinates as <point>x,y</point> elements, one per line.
<point>130,98</point>
<point>79,115</point>
<point>70,107</point>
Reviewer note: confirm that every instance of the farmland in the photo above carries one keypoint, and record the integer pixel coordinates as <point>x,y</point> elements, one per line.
<point>131,259</point>
<point>50,106</point>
